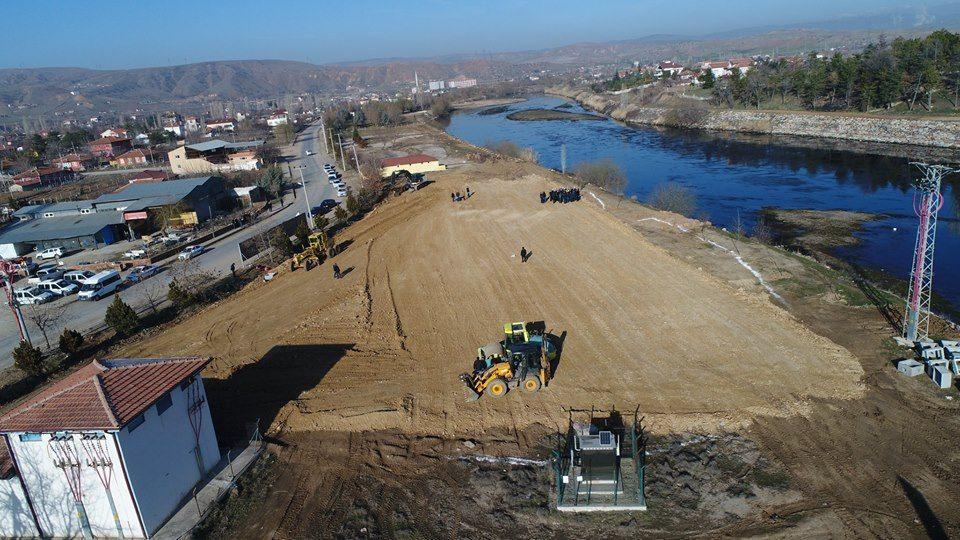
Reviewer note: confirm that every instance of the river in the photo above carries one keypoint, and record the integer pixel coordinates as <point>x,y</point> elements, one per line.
<point>733,176</point>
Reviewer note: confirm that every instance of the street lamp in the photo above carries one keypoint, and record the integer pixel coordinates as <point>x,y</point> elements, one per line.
<point>306,198</point>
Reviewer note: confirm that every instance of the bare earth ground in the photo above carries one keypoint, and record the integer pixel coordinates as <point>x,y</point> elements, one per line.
<point>357,379</point>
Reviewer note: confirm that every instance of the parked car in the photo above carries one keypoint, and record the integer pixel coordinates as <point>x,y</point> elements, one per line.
<point>100,285</point>
<point>140,273</point>
<point>78,276</point>
<point>333,175</point>
<point>45,273</point>
<point>342,192</point>
<point>59,287</point>
<point>135,253</point>
<point>190,252</point>
<point>324,207</point>
<point>309,153</point>
<point>32,295</point>
<point>51,253</point>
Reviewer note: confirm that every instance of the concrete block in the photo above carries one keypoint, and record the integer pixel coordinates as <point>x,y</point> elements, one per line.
<point>941,376</point>
<point>910,367</point>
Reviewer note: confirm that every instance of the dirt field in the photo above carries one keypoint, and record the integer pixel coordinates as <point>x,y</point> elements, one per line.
<point>771,416</point>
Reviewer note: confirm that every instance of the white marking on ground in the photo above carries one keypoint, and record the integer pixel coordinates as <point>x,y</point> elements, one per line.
<point>763,283</point>
<point>508,460</point>
<point>604,205</point>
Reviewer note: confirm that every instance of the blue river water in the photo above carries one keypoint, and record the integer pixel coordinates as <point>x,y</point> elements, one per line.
<point>732,176</point>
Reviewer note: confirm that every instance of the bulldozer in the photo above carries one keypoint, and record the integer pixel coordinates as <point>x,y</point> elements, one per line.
<point>522,359</point>
<point>319,247</point>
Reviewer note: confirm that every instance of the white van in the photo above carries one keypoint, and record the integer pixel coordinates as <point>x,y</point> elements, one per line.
<point>32,295</point>
<point>100,285</point>
<point>59,287</point>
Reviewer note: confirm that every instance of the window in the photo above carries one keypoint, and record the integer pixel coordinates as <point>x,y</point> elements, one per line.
<point>135,423</point>
<point>164,403</point>
<point>29,437</point>
<point>48,214</point>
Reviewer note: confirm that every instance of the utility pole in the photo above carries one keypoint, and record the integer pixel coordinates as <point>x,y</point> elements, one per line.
<point>343,158</point>
<point>306,198</point>
<point>356,160</point>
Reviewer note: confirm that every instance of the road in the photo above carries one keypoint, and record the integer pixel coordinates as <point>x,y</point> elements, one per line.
<point>84,316</point>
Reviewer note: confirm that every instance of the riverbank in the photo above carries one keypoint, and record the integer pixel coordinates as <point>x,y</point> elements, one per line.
<point>533,115</point>
<point>626,108</point>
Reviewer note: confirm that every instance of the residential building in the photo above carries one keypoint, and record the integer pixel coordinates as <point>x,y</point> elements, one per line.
<point>719,69</point>
<point>111,450</point>
<point>223,124</point>
<point>415,163</point>
<point>135,158</point>
<point>278,119</point>
<point>75,162</point>
<point>248,195</point>
<point>149,176</point>
<point>244,160</point>
<point>192,124</point>
<point>119,133</point>
<point>462,82</point>
<point>176,129</point>
<point>668,68</point>
<point>210,156</point>
<point>436,85</point>
<point>109,146</point>
<point>742,64</point>
<point>40,177</point>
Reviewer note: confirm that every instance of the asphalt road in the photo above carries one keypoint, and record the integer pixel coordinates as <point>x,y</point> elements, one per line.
<point>218,257</point>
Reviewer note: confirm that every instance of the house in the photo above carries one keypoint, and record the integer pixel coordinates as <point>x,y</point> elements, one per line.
<point>75,162</point>
<point>668,68</point>
<point>415,163</point>
<point>209,156</point>
<point>111,450</point>
<point>245,160</point>
<point>81,231</point>
<point>742,64</point>
<point>278,119</point>
<point>197,199</point>
<point>191,124</point>
<point>150,175</point>
<point>223,124</point>
<point>40,177</point>
<point>109,146</point>
<point>436,85</point>
<point>135,158</point>
<point>115,132</point>
<point>719,69</point>
<point>462,82</point>
<point>248,195</point>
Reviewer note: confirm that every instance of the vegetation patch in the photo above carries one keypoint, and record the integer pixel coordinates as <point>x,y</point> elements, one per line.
<point>532,115</point>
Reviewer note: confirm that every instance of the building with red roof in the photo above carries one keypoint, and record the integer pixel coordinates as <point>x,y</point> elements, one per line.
<point>109,146</point>
<point>144,423</point>
<point>136,158</point>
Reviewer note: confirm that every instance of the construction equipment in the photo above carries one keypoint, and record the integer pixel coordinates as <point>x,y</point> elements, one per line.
<point>522,359</point>
<point>319,247</point>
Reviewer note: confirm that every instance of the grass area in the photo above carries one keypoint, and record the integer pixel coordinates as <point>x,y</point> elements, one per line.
<point>770,478</point>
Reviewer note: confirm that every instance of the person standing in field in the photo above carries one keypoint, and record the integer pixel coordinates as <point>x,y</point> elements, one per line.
<point>523,254</point>
<point>336,271</point>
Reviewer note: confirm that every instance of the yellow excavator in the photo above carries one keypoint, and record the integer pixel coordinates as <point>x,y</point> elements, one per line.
<point>522,359</point>
<point>319,247</point>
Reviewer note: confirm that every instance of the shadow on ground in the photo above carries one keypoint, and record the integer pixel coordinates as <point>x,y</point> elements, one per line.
<point>257,391</point>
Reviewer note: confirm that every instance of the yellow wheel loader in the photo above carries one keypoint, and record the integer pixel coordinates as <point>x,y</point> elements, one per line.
<point>522,360</point>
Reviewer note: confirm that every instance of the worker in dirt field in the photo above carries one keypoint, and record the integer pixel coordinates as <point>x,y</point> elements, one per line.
<point>523,254</point>
<point>468,192</point>
<point>336,271</point>
<point>453,197</point>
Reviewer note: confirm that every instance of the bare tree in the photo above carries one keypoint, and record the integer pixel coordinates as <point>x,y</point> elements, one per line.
<point>672,197</point>
<point>762,232</point>
<point>153,293</point>
<point>46,317</point>
<point>603,173</point>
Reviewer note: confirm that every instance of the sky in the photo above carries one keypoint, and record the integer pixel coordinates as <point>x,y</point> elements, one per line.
<point>103,34</point>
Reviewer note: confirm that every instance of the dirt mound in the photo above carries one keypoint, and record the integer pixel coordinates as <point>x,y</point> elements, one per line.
<point>429,280</point>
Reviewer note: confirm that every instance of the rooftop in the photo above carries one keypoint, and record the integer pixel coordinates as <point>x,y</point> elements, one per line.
<point>104,394</point>
<point>407,160</point>
<point>217,144</point>
<point>109,140</point>
<point>56,228</point>
<point>53,207</point>
<point>176,189</point>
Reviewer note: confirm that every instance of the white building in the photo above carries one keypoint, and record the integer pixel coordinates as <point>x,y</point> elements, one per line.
<point>114,447</point>
<point>462,82</point>
<point>278,119</point>
<point>436,85</point>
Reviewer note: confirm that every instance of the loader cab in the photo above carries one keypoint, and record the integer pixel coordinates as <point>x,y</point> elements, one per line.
<point>516,332</point>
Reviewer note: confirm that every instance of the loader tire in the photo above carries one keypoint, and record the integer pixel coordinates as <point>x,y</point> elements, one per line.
<point>531,384</point>
<point>497,387</point>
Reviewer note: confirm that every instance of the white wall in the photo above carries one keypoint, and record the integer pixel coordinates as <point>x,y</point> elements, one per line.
<point>16,521</point>
<point>48,490</point>
<point>159,455</point>
<point>12,251</point>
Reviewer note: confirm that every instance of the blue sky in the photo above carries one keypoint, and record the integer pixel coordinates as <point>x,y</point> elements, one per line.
<point>138,33</point>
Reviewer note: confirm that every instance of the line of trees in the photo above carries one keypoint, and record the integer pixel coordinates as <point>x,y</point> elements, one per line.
<point>910,71</point>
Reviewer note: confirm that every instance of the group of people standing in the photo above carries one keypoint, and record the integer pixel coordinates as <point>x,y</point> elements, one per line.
<point>457,196</point>
<point>560,195</point>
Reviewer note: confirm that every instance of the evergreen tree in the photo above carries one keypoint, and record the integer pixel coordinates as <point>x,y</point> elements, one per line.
<point>122,318</point>
<point>29,359</point>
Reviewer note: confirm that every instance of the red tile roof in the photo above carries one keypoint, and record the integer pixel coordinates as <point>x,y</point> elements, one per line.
<point>109,140</point>
<point>69,158</point>
<point>136,153</point>
<point>407,160</point>
<point>104,394</point>
<point>151,174</point>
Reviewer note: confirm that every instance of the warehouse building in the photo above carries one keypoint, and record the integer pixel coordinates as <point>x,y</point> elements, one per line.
<point>71,232</point>
<point>110,451</point>
<point>415,163</point>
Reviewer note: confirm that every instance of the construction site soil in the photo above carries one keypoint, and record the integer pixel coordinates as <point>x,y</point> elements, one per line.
<point>772,405</point>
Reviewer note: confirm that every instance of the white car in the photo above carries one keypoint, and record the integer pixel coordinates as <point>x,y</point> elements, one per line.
<point>135,253</point>
<point>45,273</point>
<point>342,192</point>
<point>190,252</point>
<point>59,287</point>
<point>32,295</point>
<point>309,153</point>
<point>78,276</point>
<point>50,253</point>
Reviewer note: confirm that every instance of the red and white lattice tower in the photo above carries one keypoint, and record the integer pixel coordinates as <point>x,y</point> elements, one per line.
<point>63,451</point>
<point>98,459</point>
<point>8,269</point>
<point>927,201</point>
